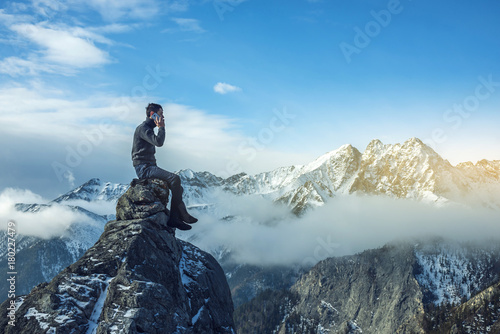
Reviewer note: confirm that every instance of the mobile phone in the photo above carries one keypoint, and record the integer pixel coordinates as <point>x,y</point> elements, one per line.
<point>156,117</point>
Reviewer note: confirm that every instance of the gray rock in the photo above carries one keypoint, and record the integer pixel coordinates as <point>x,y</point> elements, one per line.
<point>372,292</point>
<point>137,278</point>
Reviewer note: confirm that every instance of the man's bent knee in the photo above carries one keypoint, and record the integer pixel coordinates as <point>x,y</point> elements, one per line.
<point>176,179</point>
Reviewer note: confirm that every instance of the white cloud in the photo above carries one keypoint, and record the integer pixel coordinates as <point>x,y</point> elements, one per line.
<point>44,112</point>
<point>177,5</point>
<point>194,135</point>
<point>88,34</point>
<point>46,120</point>
<point>202,141</point>
<point>224,88</point>
<point>53,47</point>
<point>9,19</point>
<point>98,207</point>
<point>32,66</point>
<point>12,195</point>
<point>46,223</point>
<point>114,28</point>
<point>48,7</point>
<point>345,225</point>
<point>80,139</point>
<point>113,10</point>
<point>70,178</point>
<point>73,47</point>
<point>186,25</point>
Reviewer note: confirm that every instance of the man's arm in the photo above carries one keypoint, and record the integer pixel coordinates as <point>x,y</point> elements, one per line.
<point>149,136</point>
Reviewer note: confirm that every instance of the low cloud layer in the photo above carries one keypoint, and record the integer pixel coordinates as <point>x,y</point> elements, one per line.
<point>262,233</point>
<point>345,225</point>
<point>49,222</point>
<point>102,208</point>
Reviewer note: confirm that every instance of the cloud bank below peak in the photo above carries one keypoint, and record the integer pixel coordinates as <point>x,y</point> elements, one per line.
<point>343,226</point>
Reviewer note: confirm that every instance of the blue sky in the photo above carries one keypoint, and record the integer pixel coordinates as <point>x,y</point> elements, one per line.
<point>247,85</point>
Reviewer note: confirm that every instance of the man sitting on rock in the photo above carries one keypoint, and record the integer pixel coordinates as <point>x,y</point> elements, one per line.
<point>143,157</point>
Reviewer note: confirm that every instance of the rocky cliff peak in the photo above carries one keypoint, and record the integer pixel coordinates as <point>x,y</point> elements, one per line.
<point>137,278</point>
<point>92,182</point>
<point>375,146</point>
<point>337,287</point>
<point>414,141</point>
<point>349,149</point>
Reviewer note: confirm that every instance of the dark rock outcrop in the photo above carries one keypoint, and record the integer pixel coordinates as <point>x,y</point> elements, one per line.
<point>372,292</point>
<point>137,278</point>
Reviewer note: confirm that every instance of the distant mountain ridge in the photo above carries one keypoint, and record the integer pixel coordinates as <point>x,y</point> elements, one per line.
<point>411,170</point>
<point>94,190</point>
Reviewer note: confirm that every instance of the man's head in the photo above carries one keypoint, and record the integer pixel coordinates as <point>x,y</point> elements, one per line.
<point>153,108</point>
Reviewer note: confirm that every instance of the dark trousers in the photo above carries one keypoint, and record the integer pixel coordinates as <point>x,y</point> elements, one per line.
<point>146,171</point>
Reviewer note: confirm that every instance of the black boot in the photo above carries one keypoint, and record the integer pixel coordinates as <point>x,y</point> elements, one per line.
<point>184,215</point>
<point>172,222</point>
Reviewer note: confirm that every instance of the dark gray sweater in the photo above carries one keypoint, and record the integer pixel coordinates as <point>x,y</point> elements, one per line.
<point>145,140</point>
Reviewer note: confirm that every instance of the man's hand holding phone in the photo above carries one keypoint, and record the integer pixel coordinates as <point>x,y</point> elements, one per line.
<point>159,120</point>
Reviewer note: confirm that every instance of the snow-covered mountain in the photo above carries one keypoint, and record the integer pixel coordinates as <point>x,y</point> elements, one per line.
<point>410,170</point>
<point>94,190</point>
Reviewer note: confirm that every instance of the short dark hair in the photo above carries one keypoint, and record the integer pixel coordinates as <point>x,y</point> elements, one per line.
<point>152,107</point>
